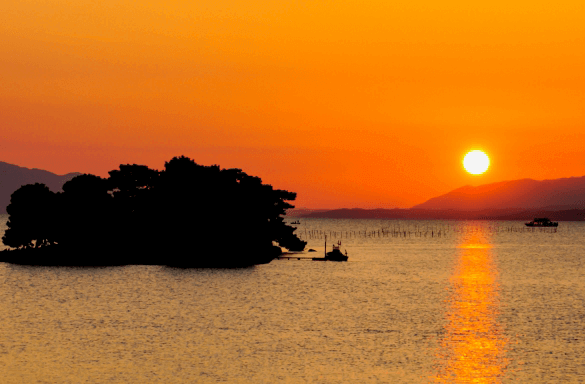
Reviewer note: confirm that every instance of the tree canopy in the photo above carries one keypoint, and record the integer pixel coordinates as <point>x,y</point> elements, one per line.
<point>185,215</point>
<point>31,211</point>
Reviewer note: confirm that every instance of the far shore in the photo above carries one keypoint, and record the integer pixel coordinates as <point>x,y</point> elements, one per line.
<point>427,214</point>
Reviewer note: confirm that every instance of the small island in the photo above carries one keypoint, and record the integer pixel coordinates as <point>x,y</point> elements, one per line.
<point>187,215</point>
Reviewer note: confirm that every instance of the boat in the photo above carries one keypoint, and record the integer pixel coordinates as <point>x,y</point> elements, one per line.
<point>296,222</point>
<point>541,222</point>
<point>335,254</point>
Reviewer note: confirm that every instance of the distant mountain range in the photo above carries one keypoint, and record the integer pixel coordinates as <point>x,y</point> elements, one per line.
<point>554,195</point>
<point>436,214</point>
<point>559,199</point>
<point>13,177</point>
<point>303,212</point>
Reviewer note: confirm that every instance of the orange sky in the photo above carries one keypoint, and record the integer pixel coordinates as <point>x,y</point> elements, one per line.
<point>348,103</point>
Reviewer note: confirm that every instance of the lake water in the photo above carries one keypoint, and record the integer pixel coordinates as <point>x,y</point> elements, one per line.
<point>482,302</point>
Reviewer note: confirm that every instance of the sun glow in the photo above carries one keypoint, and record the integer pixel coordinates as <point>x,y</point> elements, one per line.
<point>476,162</point>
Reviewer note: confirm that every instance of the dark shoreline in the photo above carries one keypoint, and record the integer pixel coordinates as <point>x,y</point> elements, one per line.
<point>56,256</point>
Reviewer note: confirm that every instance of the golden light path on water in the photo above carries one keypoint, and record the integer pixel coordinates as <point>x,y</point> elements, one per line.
<point>473,346</point>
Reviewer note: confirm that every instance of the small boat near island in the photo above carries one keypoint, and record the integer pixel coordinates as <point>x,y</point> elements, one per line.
<point>335,254</point>
<point>542,222</point>
<point>296,222</point>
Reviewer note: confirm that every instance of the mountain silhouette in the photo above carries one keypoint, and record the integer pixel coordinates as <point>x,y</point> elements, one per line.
<point>526,194</point>
<point>559,199</point>
<point>13,177</point>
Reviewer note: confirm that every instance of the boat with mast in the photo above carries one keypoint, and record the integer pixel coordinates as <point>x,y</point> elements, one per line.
<point>335,254</point>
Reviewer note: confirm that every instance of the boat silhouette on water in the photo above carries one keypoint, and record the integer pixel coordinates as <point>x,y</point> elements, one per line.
<point>335,254</point>
<point>541,222</point>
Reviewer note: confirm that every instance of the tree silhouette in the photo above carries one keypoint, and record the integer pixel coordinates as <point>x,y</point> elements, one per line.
<point>131,184</point>
<point>85,209</point>
<point>228,212</point>
<point>186,215</point>
<point>31,217</point>
<point>132,189</point>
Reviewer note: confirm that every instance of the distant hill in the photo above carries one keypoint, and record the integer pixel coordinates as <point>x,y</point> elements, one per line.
<point>525,194</point>
<point>437,214</point>
<point>302,212</point>
<point>560,199</point>
<point>13,177</point>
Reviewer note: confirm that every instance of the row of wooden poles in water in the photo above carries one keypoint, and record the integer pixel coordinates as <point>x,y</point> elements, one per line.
<point>414,232</point>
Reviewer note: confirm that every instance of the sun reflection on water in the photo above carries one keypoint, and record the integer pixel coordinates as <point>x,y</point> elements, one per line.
<point>472,349</point>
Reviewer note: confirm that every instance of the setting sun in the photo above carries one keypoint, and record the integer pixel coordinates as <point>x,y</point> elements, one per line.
<point>476,162</point>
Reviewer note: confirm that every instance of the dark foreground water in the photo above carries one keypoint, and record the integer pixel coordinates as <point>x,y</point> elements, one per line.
<point>483,302</point>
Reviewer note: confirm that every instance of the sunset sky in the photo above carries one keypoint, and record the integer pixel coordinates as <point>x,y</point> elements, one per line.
<point>348,103</point>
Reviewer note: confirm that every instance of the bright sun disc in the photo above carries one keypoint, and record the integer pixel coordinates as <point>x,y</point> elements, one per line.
<point>476,162</point>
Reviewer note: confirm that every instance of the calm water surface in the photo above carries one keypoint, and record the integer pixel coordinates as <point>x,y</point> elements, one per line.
<point>483,302</point>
